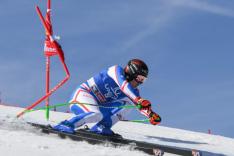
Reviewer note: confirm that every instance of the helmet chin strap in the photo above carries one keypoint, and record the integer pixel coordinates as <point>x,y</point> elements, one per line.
<point>139,82</point>
<point>134,83</point>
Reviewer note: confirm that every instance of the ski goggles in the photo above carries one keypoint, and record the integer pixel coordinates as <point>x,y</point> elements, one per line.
<point>140,79</point>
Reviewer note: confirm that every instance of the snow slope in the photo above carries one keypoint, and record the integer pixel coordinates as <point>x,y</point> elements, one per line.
<point>18,138</point>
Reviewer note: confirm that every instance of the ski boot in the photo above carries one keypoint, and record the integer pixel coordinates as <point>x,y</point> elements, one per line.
<point>65,126</point>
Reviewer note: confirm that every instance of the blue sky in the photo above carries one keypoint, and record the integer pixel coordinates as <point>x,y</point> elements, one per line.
<point>187,44</point>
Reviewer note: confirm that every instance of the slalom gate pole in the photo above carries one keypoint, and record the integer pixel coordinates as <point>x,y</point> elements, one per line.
<point>47,85</point>
<point>47,54</point>
<point>52,48</point>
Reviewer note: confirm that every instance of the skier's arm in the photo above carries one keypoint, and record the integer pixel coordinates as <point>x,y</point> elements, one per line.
<point>117,73</point>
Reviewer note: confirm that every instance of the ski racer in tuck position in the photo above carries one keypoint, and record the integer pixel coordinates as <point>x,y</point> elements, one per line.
<point>114,87</point>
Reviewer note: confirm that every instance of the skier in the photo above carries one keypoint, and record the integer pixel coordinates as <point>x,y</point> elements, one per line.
<point>113,87</point>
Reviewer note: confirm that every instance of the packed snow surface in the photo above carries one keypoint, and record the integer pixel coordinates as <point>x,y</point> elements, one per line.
<point>19,138</point>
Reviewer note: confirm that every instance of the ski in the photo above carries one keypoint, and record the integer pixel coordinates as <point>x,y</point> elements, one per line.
<point>117,141</point>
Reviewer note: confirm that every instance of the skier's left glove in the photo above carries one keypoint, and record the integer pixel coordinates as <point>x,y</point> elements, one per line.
<point>154,118</point>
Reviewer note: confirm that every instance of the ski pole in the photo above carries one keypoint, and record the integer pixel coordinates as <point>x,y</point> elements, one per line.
<point>138,121</point>
<point>65,104</point>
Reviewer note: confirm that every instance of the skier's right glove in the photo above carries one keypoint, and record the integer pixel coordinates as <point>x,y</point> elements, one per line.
<point>144,104</point>
<point>154,118</point>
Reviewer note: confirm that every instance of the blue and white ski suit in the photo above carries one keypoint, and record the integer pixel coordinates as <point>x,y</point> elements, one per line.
<point>109,88</point>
